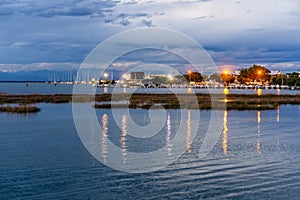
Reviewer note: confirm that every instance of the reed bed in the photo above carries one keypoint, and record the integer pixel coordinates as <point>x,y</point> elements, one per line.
<point>20,109</point>
<point>168,101</point>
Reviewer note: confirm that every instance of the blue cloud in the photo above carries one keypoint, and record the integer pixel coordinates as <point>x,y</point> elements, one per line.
<point>57,8</point>
<point>125,19</point>
<point>125,22</point>
<point>147,23</point>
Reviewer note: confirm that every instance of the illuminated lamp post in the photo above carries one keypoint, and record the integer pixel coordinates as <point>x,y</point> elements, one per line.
<point>226,77</point>
<point>105,75</point>
<point>190,75</point>
<point>259,75</point>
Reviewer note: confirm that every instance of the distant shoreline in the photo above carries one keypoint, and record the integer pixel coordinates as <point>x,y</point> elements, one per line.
<point>22,81</point>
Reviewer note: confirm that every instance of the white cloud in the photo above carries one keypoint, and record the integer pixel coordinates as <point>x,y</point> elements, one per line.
<point>38,66</point>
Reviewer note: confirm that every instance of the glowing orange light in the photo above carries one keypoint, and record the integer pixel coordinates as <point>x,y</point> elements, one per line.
<point>189,71</point>
<point>226,72</point>
<point>259,72</point>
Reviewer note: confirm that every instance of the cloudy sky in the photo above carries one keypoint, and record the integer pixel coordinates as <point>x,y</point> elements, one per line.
<point>59,34</point>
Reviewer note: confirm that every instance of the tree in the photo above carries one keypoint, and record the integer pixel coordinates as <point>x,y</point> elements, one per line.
<point>180,80</point>
<point>159,80</point>
<point>258,73</point>
<point>278,80</point>
<point>292,79</point>
<point>194,76</point>
<point>227,78</point>
<point>243,77</point>
<point>215,77</point>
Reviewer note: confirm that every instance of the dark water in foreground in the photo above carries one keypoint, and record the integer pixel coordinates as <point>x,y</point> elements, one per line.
<point>256,157</point>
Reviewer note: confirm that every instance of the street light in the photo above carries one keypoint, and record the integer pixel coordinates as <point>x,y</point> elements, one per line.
<point>190,75</point>
<point>226,72</point>
<point>105,75</point>
<point>170,77</point>
<point>226,77</point>
<point>259,73</point>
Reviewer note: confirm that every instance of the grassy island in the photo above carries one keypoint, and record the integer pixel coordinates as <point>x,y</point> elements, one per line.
<point>168,101</point>
<point>20,109</point>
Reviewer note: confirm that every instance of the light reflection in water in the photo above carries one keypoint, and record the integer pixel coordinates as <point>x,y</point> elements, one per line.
<point>225,130</point>
<point>278,114</point>
<point>226,91</point>
<point>258,146</point>
<point>124,90</point>
<point>190,91</point>
<point>278,128</point>
<point>123,138</point>
<point>168,138</point>
<point>278,92</point>
<point>92,141</point>
<point>105,90</point>
<point>259,91</point>
<point>188,135</point>
<point>104,149</point>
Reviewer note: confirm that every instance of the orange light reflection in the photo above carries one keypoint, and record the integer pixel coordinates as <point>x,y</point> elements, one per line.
<point>259,92</point>
<point>225,130</point>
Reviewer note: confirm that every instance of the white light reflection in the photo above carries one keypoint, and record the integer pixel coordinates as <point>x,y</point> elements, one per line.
<point>278,128</point>
<point>92,141</point>
<point>104,149</point>
<point>278,92</point>
<point>168,138</point>
<point>258,146</point>
<point>105,90</point>
<point>123,138</point>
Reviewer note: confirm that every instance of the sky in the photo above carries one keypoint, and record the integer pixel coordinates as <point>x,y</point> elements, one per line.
<point>59,34</point>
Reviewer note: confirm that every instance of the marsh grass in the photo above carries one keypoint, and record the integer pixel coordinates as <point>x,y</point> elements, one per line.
<point>20,109</point>
<point>168,101</point>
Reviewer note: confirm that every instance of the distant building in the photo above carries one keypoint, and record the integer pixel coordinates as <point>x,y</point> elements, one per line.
<point>275,73</point>
<point>236,73</point>
<point>125,77</point>
<point>137,75</point>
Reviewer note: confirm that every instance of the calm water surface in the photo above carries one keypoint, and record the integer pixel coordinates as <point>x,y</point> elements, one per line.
<point>256,157</point>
